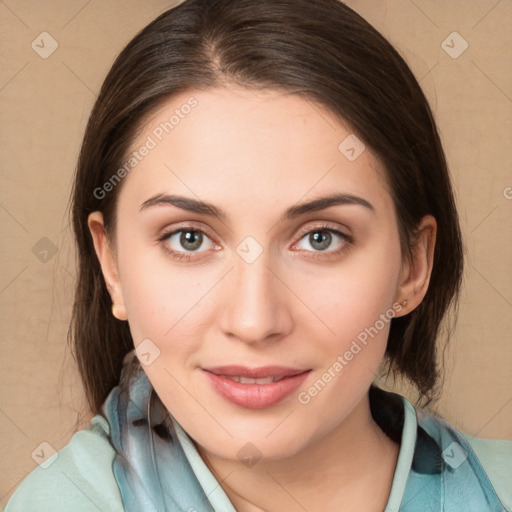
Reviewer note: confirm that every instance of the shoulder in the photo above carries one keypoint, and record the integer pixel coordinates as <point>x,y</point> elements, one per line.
<point>490,461</point>
<point>79,477</point>
<point>495,455</point>
<point>482,467</point>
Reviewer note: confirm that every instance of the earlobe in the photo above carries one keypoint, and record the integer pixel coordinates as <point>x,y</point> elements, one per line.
<point>108,263</point>
<point>416,270</point>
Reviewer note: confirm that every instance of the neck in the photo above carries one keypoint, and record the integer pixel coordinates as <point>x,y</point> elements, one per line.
<point>350,468</point>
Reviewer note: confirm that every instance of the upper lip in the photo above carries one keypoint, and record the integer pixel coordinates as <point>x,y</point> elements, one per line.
<point>255,373</point>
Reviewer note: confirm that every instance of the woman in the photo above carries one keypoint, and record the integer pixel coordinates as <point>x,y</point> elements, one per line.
<point>264,217</point>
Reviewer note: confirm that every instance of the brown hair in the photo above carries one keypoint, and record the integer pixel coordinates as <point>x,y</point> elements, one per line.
<point>321,50</point>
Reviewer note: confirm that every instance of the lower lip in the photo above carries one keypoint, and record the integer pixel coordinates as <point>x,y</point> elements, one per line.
<point>255,396</point>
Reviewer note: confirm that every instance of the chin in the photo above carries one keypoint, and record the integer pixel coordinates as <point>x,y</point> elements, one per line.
<point>249,451</point>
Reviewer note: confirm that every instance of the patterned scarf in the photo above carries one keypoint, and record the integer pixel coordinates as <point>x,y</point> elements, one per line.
<point>154,474</point>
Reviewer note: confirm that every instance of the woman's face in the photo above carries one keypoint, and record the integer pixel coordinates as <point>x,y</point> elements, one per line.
<point>254,277</point>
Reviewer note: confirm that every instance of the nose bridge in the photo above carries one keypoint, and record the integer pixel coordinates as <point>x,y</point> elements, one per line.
<point>255,308</point>
<point>254,279</point>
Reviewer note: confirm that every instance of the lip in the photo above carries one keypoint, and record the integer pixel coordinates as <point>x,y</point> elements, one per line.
<point>254,373</point>
<point>255,396</point>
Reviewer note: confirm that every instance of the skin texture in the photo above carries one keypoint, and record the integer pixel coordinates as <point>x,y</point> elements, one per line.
<point>253,155</point>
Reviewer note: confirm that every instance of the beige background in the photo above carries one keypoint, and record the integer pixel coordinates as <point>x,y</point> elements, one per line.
<point>44,105</point>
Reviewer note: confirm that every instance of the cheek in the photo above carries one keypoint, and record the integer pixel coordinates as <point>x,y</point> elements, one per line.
<point>160,297</point>
<point>354,310</point>
<point>350,352</point>
<point>351,297</point>
<point>164,306</point>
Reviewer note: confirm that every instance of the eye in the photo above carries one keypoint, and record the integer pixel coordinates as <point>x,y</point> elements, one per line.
<point>320,238</point>
<point>182,243</point>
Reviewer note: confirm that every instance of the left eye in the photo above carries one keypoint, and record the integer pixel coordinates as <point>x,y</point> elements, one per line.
<point>321,238</point>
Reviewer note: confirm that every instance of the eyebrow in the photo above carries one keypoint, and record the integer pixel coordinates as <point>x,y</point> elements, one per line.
<point>205,208</point>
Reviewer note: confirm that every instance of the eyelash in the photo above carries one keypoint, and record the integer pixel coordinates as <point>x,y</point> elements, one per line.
<point>184,256</point>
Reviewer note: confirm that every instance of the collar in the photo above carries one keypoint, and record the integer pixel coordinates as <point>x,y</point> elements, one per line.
<point>220,501</point>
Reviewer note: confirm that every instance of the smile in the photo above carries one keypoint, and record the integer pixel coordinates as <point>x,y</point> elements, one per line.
<point>255,392</point>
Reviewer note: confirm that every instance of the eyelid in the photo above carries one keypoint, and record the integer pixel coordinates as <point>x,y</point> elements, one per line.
<point>326,225</point>
<point>183,226</point>
<point>166,232</point>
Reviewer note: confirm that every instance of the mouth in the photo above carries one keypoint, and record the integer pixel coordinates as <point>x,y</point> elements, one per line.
<point>248,380</point>
<point>255,388</point>
<point>265,374</point>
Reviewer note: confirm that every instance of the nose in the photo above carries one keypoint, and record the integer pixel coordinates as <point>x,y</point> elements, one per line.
<point>255,306</point>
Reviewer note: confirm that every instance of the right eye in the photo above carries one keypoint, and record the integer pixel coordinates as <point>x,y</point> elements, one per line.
<point>183,242</point>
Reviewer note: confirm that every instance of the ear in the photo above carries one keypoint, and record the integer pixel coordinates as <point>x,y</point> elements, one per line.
<point>416,270</point>
<point>108,263</point>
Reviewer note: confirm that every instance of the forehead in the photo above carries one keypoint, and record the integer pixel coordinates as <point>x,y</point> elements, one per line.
<point>261,147</point>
